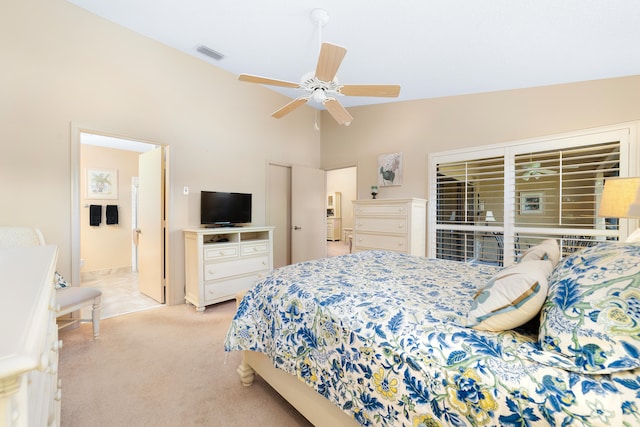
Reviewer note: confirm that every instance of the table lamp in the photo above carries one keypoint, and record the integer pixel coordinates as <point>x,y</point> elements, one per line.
<point>621,199</point>
<point>489,217</point>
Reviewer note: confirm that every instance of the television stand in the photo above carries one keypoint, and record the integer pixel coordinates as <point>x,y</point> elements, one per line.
<point>221,261</point>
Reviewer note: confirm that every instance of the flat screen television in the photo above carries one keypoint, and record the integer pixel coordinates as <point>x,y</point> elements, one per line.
<point>220,209</point>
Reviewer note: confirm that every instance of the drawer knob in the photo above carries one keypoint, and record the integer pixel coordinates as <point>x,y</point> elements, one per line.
<point>44,362</point>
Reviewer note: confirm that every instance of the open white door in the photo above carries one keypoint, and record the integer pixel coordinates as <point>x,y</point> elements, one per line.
<point>308,214</point>
<point>150,231</point>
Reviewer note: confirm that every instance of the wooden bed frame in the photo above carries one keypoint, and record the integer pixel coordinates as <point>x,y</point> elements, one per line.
<point>312,405</point>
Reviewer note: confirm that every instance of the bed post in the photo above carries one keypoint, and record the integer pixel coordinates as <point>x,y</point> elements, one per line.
<point>246,372</point>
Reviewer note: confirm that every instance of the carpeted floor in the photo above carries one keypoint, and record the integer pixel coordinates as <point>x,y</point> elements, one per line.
<point>163,367</point>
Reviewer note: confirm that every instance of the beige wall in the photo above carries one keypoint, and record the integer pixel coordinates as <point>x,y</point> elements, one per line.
<point>417,128</point>
<point>64,66</point>
<point>107,247</point>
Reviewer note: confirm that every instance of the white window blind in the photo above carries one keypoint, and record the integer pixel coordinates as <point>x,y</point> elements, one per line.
<point>467,190</point>
<point>558,193</point>
<point>493,204</point>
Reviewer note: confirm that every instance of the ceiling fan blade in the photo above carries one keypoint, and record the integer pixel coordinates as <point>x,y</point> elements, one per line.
<point>290,107</point>
<point>331,56</point>
<point>266,81</point>
<point>532,166</point>
<point>391,91</point>
<point>337,111</point>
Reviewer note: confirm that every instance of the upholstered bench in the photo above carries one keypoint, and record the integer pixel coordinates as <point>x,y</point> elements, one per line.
<point>68,299</point>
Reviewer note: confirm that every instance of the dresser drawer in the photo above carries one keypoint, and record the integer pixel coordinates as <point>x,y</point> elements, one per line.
<point>377,241</point>
<point>382,225</point>
<point>381,209</point>
<point>215,270</point>
<point>219,251</point>
<point>254,248</point>
<point>219,291</point>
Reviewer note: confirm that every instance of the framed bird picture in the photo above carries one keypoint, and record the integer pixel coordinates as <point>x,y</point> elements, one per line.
<point>389,169</point>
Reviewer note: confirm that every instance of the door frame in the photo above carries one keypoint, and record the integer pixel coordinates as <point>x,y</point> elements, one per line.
<point>76,130</point>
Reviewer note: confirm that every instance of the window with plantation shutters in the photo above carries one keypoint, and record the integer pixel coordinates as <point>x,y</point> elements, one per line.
<point>461,212</point>
<point>557,196</point>
<point>493,203</point>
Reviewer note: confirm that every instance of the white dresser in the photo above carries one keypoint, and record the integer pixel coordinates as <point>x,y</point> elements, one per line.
<point>29,388</point>
<point>334,213</point>
<point>334,229</point>
<point>220,262</point>
<point>398,225</point>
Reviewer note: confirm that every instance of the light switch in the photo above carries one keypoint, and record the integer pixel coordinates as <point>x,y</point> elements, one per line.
<point>185,191</point>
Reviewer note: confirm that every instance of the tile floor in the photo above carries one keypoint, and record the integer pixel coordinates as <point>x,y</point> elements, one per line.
<point>120,295</point>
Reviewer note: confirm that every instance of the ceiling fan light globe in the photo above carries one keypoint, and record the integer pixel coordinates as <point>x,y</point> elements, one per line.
<point>319,96</point>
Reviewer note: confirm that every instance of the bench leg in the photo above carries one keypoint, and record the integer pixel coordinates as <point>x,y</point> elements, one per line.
<point>95,317</point>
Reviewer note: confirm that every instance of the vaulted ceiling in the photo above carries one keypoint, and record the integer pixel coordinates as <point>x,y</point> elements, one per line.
<point>432,48</point>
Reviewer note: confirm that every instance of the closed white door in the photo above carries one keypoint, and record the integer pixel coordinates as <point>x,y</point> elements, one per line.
<point>308,214</point>
<point>150,231</point>
<point>279,212</point>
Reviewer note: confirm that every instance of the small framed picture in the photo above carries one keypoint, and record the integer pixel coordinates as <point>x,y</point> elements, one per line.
<point>531,203</point>
<point>102,183</point>
<point>389,169</point>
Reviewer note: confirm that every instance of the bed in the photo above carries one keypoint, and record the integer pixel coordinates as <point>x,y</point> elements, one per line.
<point>382,338</point>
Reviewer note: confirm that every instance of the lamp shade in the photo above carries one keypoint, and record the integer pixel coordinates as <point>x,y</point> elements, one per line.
<point>618,196</point>
<point>489,217</point>
<point>634,208</point>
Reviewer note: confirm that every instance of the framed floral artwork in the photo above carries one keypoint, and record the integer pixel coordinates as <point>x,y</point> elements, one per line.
<point>389,169</point>
<point>102,183</point>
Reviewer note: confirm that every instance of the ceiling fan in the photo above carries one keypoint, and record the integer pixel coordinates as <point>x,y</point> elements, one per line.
<point>534,170</point>
<point>322,85</point>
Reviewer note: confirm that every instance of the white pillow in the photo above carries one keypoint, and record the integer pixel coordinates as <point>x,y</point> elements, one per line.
<point>512,297</point>
<point>547,249</point>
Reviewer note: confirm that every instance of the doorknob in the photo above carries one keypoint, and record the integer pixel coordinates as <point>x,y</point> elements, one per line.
<point>295,227</point>
<point>136,235</point>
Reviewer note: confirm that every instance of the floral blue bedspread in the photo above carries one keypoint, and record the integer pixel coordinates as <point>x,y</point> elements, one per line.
<point>382,335</point>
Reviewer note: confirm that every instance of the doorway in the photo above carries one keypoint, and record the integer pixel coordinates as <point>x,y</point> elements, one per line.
<point>342,181</point>
<point>279,208</point>
<point>107,254</point>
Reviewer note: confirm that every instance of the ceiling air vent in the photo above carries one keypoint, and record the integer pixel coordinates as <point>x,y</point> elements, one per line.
<point>210,52</point>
